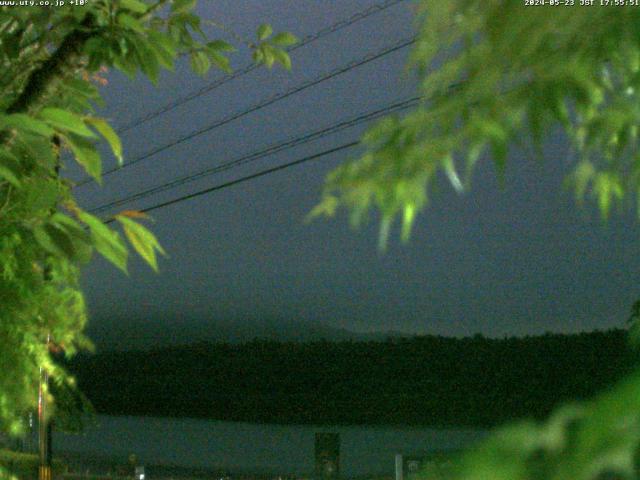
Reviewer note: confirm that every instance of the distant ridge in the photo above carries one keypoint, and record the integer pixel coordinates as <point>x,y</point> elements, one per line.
<point>423,380</point>
<point>143,334</point>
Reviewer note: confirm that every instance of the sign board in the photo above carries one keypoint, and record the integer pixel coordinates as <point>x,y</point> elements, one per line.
<point>408,466</point>
<point>327,452</point>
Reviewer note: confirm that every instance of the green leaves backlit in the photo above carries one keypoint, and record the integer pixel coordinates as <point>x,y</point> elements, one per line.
<point>65,121</point>
<point>86,155</point>
<point>264,31</point>
<point>164,47</point>
<point>109,135</point>
<point>45,236</point>
<point>269,50</point>
<point>135,6</point>
<point>284,39</point>
<point>26,123</point>
<point>106,241</point>
<point>110,244</point>
<point>507,76</point>
<point>200,62</point>
<point>143,241</point>
<point>81,247</point>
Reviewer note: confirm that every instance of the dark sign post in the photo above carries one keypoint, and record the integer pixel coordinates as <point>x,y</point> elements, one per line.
<point>327,456</point>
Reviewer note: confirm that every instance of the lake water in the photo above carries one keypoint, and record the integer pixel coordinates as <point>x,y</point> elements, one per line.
<point>284,449</point>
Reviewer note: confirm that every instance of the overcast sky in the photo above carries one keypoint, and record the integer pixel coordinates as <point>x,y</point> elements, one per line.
<point>521,260</point>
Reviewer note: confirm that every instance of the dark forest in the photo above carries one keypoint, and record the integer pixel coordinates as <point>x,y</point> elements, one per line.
<point>424,380</point>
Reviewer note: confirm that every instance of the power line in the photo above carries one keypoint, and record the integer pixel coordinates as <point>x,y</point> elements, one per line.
<point>270,100</point>
<point>270,150</point>
<point>268,171</point>
<point>373,9</point>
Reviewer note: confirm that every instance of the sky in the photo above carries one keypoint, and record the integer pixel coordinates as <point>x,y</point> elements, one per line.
<point>518,260</point>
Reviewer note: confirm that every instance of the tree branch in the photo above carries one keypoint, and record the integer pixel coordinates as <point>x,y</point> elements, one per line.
<point>40,79</point>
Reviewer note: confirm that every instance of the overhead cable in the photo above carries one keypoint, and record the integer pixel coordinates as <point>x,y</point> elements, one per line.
<point>371,10</point>
<point>253,176</point>
<point>265,152</point>
<point>269,101</point>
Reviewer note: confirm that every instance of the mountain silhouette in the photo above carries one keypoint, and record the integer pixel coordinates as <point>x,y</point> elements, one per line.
<point>157,331</point>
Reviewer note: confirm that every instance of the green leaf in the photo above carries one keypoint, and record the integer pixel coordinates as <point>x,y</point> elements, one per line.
<point>40,195</point>
<point>86,155</point>
<point>164,59</point>
<point>164,47</point>
<point>221,45</point>
<point>193,21</point>
<point>109,135</point>
<point>581,178</point>
<point>66,121</point>
<point>43,239</point>
<point>127,65</point>
<point>97,50</point>
<point>326,208</point>
<point>147,59</point>
<point>78,236</point>
<point>9,176</point>
<point>258,56</point>
<point>452,174</point>
<point>408,217</point>
<point>182,6</point>
<point>267,55</point>
<point>68,223</point>
<point>134,5</point>
<point>9,168</point>
<point>164,41</point>
<point>54,241</point>
<point>264,31</point>
<point>37,148</point>
<point>282,57</point>
<point>284,39</point>
<point>200,62</point>
<point>607,187</point>
<point>130,23</point>
<point>81,87</point>
<point>107,241</point>
<point>144,242</point>
<point>220,61</point>
<point>25,122</point>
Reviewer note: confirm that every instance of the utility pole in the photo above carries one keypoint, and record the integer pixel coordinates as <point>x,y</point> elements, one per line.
<point>44,427</point>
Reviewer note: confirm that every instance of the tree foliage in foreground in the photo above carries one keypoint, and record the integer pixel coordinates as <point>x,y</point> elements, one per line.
<point>496,73</point>
<point>51,61</point>
<point>492,70</point>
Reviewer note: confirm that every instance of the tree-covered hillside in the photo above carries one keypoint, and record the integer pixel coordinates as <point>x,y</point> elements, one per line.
<point>424,380</point>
